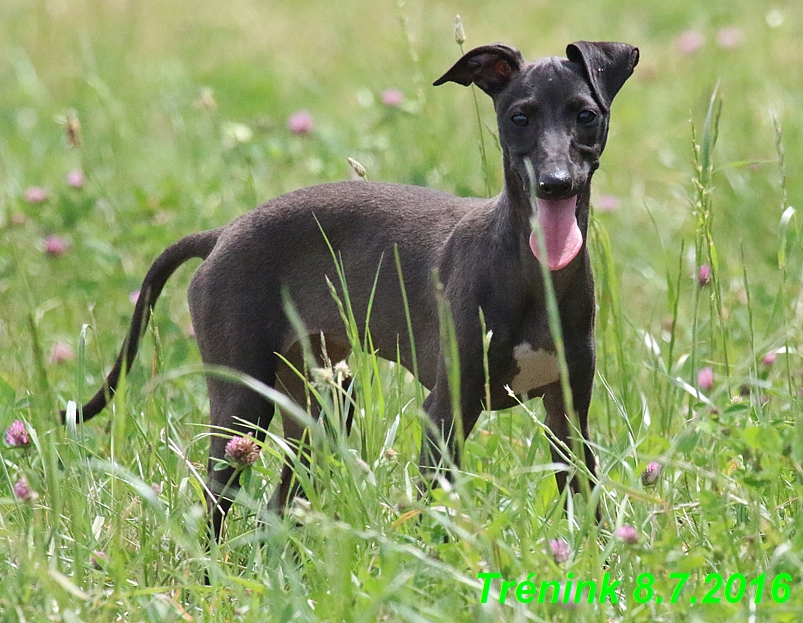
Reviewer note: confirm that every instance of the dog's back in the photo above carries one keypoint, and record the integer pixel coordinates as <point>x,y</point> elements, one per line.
<point>293,242</point>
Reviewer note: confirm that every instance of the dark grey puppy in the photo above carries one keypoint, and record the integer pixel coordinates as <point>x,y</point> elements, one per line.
<point>553,114</point>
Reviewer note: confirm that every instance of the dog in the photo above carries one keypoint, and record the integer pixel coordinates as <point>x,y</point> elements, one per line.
<point>553,117</point>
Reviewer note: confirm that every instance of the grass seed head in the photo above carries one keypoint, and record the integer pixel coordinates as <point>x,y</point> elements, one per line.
<point>358,169</point>
<point>72,129</point>
<point>459,30</point>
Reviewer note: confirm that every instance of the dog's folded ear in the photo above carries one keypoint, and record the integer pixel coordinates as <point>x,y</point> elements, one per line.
<point>607,66</point>
<point>490,67</point>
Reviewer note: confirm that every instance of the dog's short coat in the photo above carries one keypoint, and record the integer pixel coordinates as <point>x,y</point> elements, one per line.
<point>552,113</point>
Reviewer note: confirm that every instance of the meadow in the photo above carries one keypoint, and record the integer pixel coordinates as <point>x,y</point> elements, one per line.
<point>127,124</point>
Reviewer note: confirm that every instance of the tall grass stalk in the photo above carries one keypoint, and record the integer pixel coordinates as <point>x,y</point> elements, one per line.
<point>787,214</point>
<point>704,242</point>
<point>408,319</point>
<point>611,322</point>
<point>451,358</point>
<point>460,37</point>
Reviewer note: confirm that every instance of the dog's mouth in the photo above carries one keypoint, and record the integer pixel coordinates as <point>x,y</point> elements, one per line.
<point>562,236</point>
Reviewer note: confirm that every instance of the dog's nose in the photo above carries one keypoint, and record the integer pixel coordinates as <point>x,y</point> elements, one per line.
<point>554,185</point>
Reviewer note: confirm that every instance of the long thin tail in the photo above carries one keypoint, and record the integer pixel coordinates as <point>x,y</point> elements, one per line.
<point>197,245</point>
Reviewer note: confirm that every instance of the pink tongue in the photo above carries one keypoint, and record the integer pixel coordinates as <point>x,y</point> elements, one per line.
<point>561,233</point>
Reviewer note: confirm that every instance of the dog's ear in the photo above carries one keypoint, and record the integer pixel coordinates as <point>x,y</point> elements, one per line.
<point>490,67</point>
<point>607,66</point>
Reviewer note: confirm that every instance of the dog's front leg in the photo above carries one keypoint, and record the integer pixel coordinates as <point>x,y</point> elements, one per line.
<point>581,378</point>
<point>442,430</point>
<point>437,430</point>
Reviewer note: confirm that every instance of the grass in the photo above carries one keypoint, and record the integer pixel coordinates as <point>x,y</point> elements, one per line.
<point>182,110</point>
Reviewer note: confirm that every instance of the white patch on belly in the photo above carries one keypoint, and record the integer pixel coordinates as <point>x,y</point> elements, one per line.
<point>536,368</point>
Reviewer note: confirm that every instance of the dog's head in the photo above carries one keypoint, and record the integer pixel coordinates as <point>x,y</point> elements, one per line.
<point>553,123</point>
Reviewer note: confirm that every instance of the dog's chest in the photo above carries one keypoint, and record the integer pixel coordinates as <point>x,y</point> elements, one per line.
<point>534,367</point>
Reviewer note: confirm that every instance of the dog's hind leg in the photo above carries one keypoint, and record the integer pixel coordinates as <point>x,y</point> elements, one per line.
<point>290,382</point>
<point>241,409</point>
<point>239,328</point>
<point>235,409</point>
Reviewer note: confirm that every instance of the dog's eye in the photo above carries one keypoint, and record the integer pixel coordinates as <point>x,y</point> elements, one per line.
<point>586,117</point>
<point>520,120</point>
